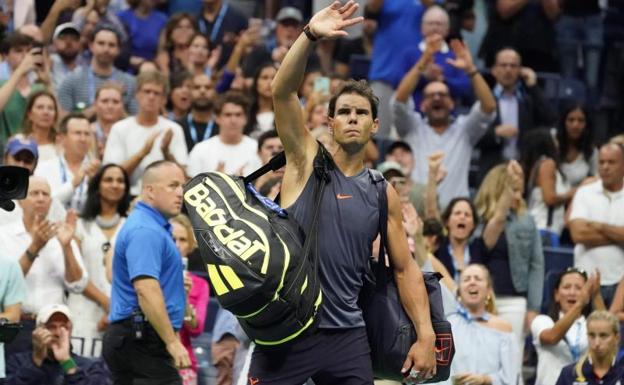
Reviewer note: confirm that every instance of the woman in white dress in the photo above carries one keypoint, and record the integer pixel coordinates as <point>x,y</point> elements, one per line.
<point>579,155</point>
<point>108,199</point>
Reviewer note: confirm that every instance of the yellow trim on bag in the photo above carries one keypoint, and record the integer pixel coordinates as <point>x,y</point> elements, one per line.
<point>231,277</point>
<point>216,280</point>
<point>303,287</point>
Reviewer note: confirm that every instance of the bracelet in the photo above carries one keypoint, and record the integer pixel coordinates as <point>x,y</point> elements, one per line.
<point>472,73</point>
<point>309,33</point>
<point>31,256</point>
<point>68,365</point>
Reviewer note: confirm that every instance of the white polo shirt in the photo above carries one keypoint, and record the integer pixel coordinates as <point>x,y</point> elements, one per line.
<point>593,203</point>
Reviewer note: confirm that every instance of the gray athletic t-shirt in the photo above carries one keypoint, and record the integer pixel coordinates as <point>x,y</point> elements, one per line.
<point>348,225</point>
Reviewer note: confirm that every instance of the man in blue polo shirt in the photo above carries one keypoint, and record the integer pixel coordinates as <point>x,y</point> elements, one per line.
<point>147,300</point>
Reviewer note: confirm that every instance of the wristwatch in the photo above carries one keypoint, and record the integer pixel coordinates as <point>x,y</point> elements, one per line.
<point>31,256</point>
<point>309,33</point>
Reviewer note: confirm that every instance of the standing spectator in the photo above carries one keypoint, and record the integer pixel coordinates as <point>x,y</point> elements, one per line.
<point>50,260</point>
<point>514,253</point>
<point>231,151</point>
<point>148,289</point>
<point>521,107</point>
<point>68,173</point>
<point>261,114</point>
<point>199,123</point>
<point>12,294</point>
<point>173,47</point>
<point>67,58</point>
<point>201,60</point>
<point>140,140</point>
<point>197,294</point>
<point>39,123</point>
<point>546,187</point>
<point>103,216</point>
<point>143,24</point>
<point>597,224</point>
<point>106,13</point>
<point>221,23</point>
<point>560,337</point>
<point>109,110</point>
<point>179,96</point>
<point>78,90</point>
<point>51,361</point>
<point>435,22</point>
<point>396,19</point>
<point>486,351</point>
<point>439,132</point>
<point>20,61</point>
<point>600,365</point>
<point>579,155</point>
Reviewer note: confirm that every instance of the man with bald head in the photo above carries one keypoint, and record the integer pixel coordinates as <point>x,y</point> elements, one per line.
<point>435,23</point>
<point>50,260</point>
<point>148,299</point>
<point>440,131</point>
<point>597,223</point>
<point>521,106</point>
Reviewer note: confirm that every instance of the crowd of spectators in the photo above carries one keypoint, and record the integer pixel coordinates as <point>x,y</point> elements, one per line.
<point>508,157</point>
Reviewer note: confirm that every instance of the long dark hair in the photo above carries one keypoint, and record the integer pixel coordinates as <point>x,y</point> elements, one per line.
<point>536,144</point>
<point>449,210</point>
<point>93,205</point>
<point>586,141</point>
<point>554,309</point>
<point>252,121</point>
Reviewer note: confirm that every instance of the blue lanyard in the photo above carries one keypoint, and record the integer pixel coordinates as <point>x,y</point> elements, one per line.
<point>216,27</point>
<point>193,130</point>
<point>575,350</point>
<point>466,259</point>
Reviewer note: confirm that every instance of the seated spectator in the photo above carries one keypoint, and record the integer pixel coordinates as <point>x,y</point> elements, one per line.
<point>104,213</point>
<point>12,294</point>
<point>439,132</point>
<point>222,23</point>
<point>78,90</point>
<point>201,59</point>
<point>547,190</point>
<point>457,250</point>
<point>315,111</point>
<point>51,262</point>
<point>560,336</point>
<point>39,123</point>
<point>521,107</point>
<point>230,151</point>
<point>514,253</point>
<point>143,24</point>
<point>346,48</point>
<point>600,366</point>
<point>579,155</point>
<point>109,109</point>
<point>174,42</point>
<point>68,173</point>
<point>197,295</point>
<point>51,361</point>
<point>435,22</point>
<point>261,114</point>
<point>269,145</point>
<point>486,349</point>
<point>68,53</point>
<point>179,97</point>
<point>596,222</point>
<point>20,60</point>
<point>139,140</point>
<point>199,123</point>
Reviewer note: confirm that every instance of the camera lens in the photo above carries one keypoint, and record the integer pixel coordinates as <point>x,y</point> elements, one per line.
<point>8,183</point>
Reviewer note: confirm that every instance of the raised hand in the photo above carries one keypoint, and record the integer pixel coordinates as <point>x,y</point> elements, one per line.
<point>331,21</point>
<point>32,60</point>
<point>149,143</point>
<point>412,223</point>
<point>435,166</point>
<point>516,175</point>
<point>41,340</point>
<point>67,228</point>
<point>463,58</point>
<point>433,44</point>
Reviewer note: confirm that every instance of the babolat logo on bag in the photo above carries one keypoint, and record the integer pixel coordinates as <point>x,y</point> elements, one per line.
<point>262,267</point>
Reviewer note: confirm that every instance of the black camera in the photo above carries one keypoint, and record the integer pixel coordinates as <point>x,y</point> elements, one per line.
<point>13,185</point>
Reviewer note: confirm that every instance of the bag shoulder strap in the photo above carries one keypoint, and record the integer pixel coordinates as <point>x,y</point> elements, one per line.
<point>382,203</point>
<point>276,162</point>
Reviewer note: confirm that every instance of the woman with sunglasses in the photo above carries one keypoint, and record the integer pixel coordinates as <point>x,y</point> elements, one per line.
<point>560,336</point>
<point>108,199</point>
<point>600,365</point>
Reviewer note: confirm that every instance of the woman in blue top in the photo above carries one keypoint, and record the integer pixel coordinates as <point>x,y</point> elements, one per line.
<point>486,350</point>
<point>599,365</point>
<point>143,25</point>
<point>514,252</point>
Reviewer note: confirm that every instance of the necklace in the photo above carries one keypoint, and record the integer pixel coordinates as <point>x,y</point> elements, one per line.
<point>108,223</point>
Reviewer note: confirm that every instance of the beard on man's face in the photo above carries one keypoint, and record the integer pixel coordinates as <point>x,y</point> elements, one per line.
<point>202,104</point>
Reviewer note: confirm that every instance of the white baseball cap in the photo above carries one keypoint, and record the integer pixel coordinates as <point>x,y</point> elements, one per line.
<point>48,311</point>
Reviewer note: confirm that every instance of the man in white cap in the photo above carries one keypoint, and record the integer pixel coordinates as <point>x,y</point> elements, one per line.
<point>65,60</point>
<point>51,360</point>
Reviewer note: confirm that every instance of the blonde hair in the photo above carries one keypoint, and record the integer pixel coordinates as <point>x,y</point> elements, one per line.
<point>491,190</point>
<point>153,77</point>
<point>314,100</point>
<point>185,222</point>
<point>599,315</point>
<point>490,300</point>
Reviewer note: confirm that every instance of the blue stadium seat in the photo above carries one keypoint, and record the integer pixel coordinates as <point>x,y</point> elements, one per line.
<point>359,65</point>
<point>556,260</point>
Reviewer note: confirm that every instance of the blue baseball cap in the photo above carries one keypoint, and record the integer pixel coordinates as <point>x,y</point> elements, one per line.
<point>18,144</point>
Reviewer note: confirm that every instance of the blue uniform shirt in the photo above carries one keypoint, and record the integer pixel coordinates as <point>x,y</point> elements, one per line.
<point>145,247</point>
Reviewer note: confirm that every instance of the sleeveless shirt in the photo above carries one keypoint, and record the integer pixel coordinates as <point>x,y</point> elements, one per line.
<point>348,225</point>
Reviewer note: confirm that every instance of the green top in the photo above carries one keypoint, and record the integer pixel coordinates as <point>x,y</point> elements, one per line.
<point>13,112</point>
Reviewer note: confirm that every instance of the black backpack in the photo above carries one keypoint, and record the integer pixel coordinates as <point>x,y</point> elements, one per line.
<point>262,267</point>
